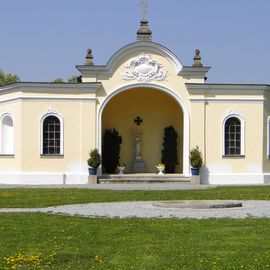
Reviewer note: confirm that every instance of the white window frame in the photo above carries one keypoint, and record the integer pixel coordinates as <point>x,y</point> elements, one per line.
<point>242,123</point>
<point>61,120</point>
<point>12,153</point>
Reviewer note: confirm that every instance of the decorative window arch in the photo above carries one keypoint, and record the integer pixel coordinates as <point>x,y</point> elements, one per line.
<point>7,135</point>
<point>233,134</point>
<point>51,133</point>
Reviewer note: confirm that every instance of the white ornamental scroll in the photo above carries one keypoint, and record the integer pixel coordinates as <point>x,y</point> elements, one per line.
<point>144,69</point>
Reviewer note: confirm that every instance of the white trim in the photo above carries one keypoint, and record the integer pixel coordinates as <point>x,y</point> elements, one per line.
<point>52,112</point>
<point>226,100</point>
<point>47,98</point>
<point>268,137</point>
<point>236,114</point>
<point>43,178</point>
<point>236,178</point>
<point>90,87</point>
<point>186,118</point>
<point>5,114</point>
<point>202,88</point>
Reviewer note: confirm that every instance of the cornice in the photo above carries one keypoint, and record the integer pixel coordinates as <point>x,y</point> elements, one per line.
<point>194,71</point>
<point>50,87</point>
<point>202,88</point>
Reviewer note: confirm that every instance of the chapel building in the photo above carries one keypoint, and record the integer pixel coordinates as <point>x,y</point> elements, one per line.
<point>47,130</point>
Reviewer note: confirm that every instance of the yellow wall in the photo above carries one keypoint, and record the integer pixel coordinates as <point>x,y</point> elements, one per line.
<point>158,110</point>
<point>79,122</point>
<point>210,141</point>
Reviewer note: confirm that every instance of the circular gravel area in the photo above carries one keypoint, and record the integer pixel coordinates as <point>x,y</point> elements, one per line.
<point>256,209</point>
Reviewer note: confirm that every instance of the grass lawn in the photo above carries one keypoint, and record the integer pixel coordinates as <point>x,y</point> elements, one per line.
<point>48,197</point>
<point>61,242</point>
<point>41,241</point>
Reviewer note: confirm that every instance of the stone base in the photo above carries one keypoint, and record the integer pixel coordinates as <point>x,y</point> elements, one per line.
<point>138,166</point>
<point>195,180</point>
<point>92,179</point>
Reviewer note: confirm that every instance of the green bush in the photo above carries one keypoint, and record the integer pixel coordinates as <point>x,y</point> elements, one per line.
<point>111,150</point>
<point>169,153</point>
<point>195,158</point>
<point>94,160</point>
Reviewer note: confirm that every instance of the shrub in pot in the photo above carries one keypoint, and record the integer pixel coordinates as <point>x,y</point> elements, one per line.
<point>94,161</point>
<point>196,161</point>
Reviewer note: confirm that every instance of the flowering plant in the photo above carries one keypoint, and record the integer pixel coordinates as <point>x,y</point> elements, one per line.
<point>122,164</point>
<point>160,165</point>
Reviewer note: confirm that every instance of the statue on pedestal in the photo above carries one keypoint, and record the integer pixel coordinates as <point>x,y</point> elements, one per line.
<point>138,147</point>
<point>138,163</point>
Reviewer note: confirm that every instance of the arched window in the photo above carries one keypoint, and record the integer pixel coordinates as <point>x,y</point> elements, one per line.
<point>52,142</point>
<point>232,137</point>
<point>7,135</point>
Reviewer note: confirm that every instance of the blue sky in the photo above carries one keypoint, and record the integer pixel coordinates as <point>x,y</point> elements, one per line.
<point>44,39</point>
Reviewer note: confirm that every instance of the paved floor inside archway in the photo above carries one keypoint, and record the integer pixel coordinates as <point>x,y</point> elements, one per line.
<point>256,209</point>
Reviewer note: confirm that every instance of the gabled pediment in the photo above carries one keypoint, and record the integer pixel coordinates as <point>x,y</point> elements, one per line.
<point>132,52</point>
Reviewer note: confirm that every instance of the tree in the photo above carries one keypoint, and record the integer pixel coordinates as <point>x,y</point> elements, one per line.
<point>169,153</point>
<point>8,78</point>
<point>72,79</point>
<point>58,80</point>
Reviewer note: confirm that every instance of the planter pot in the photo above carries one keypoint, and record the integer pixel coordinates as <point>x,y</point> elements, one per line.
<point>92,171</point>
<point>160,170</point>
<point>195,171</point>
<point>121,170</point>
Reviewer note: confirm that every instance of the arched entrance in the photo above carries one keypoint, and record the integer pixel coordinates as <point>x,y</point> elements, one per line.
<point>158,108</point>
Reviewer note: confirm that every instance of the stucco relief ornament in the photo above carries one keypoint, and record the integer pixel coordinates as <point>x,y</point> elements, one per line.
<point>52,111</point>
<point>144,69</point>
<point>234,112</point>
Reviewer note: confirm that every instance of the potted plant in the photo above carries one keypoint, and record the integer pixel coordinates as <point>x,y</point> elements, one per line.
<point>160,167</point>
<point>121,167</point>
<point>94,162</point>
<point>196,161</point>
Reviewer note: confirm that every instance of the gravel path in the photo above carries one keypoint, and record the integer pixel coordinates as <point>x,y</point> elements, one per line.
<point>256,209</point>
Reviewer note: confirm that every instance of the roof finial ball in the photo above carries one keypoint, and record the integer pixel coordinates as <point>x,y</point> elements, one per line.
<point>197,59</point>
<point>89,58</point>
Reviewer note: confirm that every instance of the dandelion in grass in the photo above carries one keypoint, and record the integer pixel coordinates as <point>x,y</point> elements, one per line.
<point>98,259</point>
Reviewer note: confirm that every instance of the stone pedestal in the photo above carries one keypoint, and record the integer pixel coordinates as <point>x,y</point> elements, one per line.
<point>92,179</point>
<point>195,179</point>
<point>138,166</point>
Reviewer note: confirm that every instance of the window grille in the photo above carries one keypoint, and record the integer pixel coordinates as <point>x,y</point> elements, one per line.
<point>232,136</point>
<point>51,136</point>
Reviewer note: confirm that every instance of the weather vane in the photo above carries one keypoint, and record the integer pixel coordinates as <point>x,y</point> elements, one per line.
<point>144,6</point>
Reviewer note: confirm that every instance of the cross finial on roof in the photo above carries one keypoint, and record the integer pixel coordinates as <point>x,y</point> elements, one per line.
<point>144,6</point>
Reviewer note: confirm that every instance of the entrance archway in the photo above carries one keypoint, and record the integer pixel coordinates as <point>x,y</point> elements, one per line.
<point>158,108</point>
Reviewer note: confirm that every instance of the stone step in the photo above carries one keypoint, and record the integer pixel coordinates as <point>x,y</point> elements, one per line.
<point>143,178</point>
